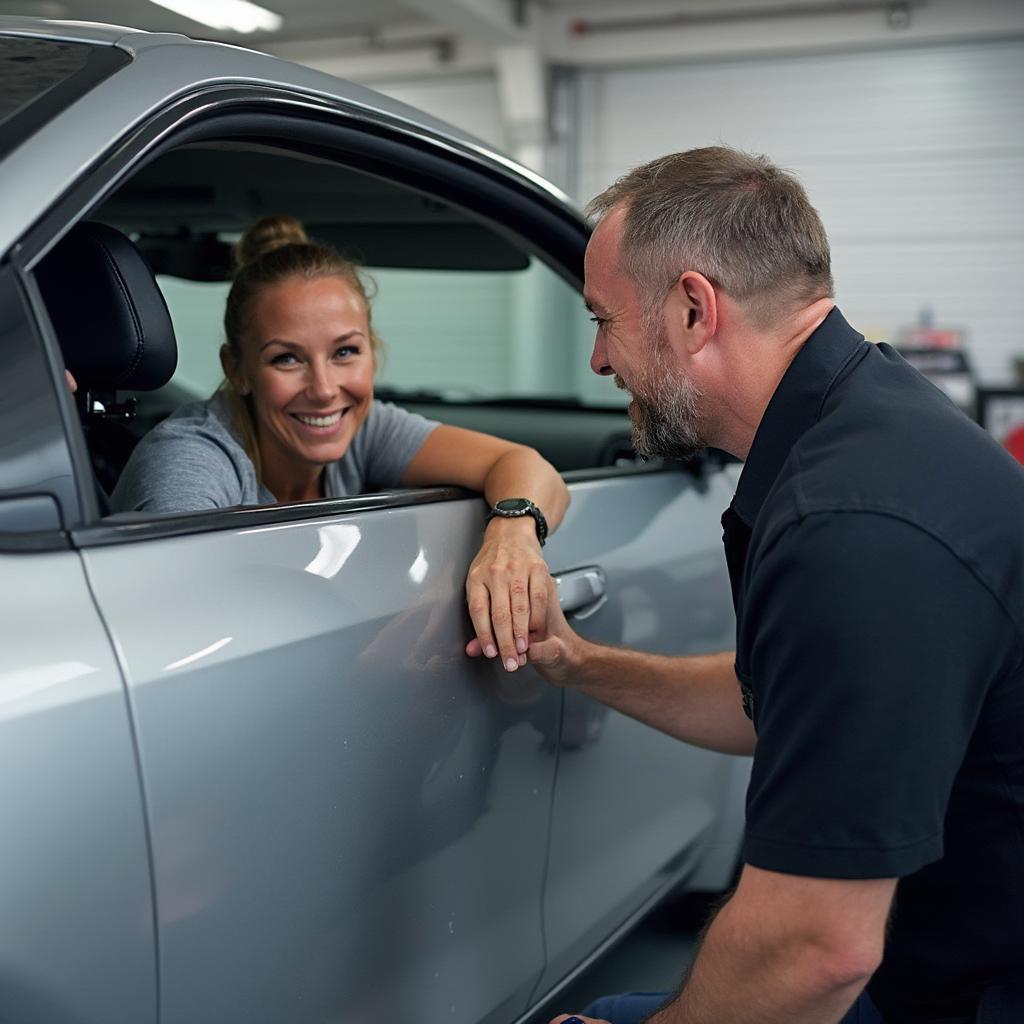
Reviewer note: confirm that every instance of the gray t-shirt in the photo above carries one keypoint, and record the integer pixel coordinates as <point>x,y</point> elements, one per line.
<point>193,460</point>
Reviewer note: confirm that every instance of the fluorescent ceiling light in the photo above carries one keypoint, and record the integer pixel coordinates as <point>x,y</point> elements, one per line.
<point>228,15</point>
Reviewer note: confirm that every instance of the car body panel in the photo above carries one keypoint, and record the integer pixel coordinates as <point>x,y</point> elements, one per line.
<point>77,942</point>
<point>64,31</point>
<point>663,567</point>
<point>348,814</point>
<point>326,769</point>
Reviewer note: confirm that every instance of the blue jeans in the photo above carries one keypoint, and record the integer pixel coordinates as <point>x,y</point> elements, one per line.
<point>633,1007</point>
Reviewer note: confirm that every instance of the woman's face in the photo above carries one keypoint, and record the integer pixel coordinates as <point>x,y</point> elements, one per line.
<point>307,362</point>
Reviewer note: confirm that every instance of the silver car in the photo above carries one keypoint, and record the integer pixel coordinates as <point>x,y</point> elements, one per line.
<point>246,771</point>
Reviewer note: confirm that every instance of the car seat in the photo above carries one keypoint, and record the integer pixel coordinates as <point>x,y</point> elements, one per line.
<point>114,330</point>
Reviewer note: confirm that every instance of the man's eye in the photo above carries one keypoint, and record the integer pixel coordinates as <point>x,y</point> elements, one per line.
<point>599,320</point>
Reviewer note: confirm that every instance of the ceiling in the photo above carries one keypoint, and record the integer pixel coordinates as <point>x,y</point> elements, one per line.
<point>303,19</point>
<point>384,40</point>
<point>318,19</point>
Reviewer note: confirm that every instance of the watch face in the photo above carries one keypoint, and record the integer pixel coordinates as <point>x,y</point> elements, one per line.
<point>513,505</point>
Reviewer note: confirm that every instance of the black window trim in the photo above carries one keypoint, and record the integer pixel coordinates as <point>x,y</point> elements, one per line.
<point>296,121</point>
<point>127,528</point>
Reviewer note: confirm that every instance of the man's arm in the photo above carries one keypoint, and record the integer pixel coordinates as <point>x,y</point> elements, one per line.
<point>696,699</point>
<point>785,950</point>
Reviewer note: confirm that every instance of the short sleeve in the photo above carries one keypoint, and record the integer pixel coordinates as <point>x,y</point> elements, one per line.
<point>387,442</point>
<point>872,647</point>
<point>173,472</point>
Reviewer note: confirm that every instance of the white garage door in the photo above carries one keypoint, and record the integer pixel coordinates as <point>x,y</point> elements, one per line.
<point>915,159</point>
<point>468,101</point>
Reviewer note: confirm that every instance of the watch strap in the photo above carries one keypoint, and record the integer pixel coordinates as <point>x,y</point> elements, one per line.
<point>528,509</point>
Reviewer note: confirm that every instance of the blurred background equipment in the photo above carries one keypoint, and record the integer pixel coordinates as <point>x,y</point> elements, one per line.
<point>939,353</point>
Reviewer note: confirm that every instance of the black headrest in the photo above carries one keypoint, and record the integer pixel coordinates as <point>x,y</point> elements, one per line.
<point>110,317</point>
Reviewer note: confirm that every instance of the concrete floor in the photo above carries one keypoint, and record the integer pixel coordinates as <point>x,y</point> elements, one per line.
<point>652,958</point>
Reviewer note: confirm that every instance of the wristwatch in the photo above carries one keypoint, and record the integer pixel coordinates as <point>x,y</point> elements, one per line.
<point>513,508</point>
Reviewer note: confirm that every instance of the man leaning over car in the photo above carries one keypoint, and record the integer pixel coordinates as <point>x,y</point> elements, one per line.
<point>875,546</point>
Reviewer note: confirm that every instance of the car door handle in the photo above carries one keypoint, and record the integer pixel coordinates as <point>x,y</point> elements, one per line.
<point>582,591</point>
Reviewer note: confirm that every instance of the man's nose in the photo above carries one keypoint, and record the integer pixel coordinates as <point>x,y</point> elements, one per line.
<point>599,358</point>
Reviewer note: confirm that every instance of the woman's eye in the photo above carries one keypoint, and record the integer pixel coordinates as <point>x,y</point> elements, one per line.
<point>283,359</point>
<point>347,350</point>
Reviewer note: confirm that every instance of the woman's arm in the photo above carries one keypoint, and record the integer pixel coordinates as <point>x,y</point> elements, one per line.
<point>507,585</point>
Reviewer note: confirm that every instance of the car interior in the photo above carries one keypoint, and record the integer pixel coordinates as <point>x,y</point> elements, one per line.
<point>479,331</point>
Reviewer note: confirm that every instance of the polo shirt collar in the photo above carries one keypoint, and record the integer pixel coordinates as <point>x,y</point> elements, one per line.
<point>794,408</point>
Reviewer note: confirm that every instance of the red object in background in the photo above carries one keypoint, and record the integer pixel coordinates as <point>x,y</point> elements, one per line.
<point>1014,444</point>
<point>932,337</point>
<point>1001,413</point>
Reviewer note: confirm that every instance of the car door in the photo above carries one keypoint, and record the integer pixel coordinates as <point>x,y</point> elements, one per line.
<point>637,812</point>
<point>348,817</point>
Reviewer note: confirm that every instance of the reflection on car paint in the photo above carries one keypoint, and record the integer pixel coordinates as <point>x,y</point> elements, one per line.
<point>204,652</point>
<point>337,542</point>
<point>23,683</point>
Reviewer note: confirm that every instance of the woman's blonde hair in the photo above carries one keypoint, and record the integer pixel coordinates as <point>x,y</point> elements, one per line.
<point>271,251</point>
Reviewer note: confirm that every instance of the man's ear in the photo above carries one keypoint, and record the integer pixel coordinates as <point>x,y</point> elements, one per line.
<point>232,370</point>
<point>697,309</point>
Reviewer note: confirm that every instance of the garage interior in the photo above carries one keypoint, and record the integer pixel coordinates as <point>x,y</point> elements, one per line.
<point>904,120</point>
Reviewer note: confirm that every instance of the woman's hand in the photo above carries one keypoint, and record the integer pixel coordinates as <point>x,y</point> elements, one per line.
<point>508,590</point>
<point>553,648</point>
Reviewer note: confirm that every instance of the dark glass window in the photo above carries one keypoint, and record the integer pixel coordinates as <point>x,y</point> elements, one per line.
<point>31,67</point>
<point>39,77</point>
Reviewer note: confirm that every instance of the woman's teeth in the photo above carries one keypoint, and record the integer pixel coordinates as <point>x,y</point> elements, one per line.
<point>319,421</point>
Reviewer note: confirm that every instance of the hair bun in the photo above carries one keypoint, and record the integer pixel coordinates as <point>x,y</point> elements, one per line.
<point>266,235</point>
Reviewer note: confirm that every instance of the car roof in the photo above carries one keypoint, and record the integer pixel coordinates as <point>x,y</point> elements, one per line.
<point>165,66</point>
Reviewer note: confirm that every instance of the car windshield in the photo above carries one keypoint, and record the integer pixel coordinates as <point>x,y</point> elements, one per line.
<point>40,77</point>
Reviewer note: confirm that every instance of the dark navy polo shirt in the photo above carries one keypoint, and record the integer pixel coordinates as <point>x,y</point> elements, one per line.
<point>876,552</point>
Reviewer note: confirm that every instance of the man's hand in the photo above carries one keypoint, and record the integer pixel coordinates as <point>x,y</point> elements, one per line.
<point>556,650</point>
<point>507,590</point>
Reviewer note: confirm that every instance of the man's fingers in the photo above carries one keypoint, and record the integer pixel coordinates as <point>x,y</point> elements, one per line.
<point>519,602</point>
<point>538,602</point>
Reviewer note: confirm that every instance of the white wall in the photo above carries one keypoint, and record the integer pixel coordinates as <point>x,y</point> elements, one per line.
<point>468,101</point>
<point>915,159</point>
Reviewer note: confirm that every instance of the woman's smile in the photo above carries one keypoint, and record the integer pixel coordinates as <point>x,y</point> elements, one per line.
<point>321,423</point>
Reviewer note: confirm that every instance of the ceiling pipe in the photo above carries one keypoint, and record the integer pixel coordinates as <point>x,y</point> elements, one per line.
<point>897,14</point>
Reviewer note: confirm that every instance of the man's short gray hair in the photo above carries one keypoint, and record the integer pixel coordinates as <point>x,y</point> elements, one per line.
<point>736,218</point>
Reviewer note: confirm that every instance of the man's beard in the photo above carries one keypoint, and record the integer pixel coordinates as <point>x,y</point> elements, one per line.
<point>665,412</point>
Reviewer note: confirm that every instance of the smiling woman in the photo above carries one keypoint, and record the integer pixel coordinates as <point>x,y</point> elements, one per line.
<point>299,360</point>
